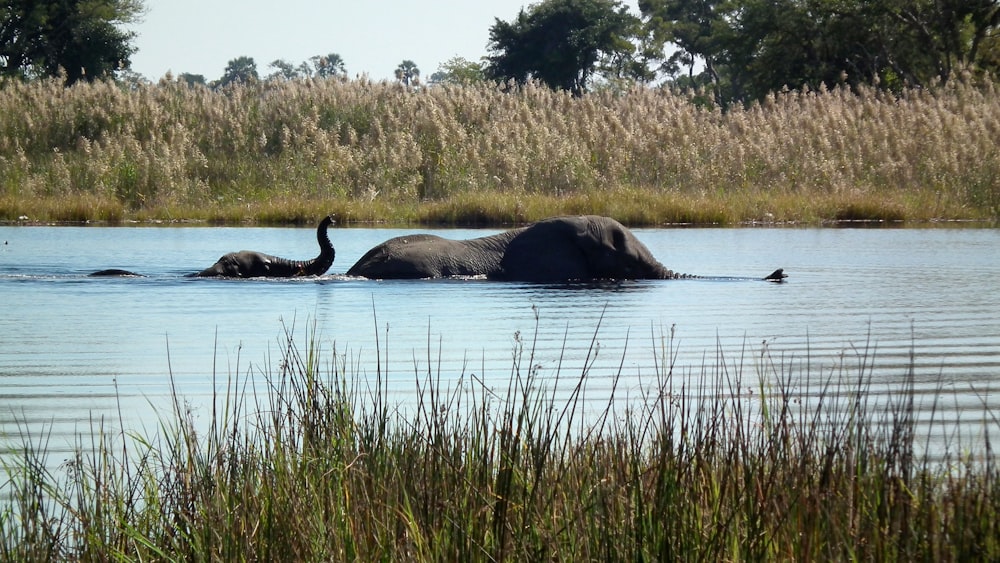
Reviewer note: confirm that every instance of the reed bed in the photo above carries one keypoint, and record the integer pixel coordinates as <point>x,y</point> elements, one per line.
<point>320,465</point>
<point>294,151</point>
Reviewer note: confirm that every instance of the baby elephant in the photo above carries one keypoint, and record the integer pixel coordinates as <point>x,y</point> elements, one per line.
<point>251,264</point>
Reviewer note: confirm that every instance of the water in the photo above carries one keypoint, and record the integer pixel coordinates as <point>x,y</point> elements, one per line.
<point>75,349</point>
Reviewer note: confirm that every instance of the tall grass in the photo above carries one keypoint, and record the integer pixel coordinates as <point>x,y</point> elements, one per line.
<point>294,151</point>
<point>321,465</point>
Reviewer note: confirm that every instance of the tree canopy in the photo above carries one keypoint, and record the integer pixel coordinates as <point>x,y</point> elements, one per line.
<point>560,42</point>
<point>239,70</point>
<point>736,51</point>
<point>748,48</point>
<point>82,39</point>
<point>318,66</point>
<point>408,73</point>
<point>327,66</point>
<point>458,70</point>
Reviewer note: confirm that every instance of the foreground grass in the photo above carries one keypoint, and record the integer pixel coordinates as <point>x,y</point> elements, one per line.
<point>321,467</point>
<point>289,152</point>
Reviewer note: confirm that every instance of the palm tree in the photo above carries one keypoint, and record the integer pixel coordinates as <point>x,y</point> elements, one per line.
<point>329,66</point>
<point>408,73</point>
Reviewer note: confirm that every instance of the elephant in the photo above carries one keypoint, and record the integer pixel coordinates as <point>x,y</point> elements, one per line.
<point>558,249</point>
<point>252,264</point>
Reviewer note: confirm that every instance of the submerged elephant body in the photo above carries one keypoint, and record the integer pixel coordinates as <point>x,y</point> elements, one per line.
<point>114,273</point>
<point>559,249</point>
<point>430,256</point>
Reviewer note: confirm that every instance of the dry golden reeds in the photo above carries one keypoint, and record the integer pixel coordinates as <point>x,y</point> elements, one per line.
<point>165,149</point>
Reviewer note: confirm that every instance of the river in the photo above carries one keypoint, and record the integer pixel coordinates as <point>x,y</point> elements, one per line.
<point>901,303</point>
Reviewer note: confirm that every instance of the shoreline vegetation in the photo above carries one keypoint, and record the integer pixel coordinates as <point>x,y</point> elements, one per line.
<point>316,464</point>
<point>290,152</point>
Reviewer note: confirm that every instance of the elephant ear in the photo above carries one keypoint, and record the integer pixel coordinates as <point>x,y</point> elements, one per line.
<point>549,251</point>
<point>606,247</point>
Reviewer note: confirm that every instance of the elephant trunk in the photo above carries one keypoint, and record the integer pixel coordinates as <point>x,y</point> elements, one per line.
<point>667,274</point>
<point>319,265</point>
<point>654,270</point>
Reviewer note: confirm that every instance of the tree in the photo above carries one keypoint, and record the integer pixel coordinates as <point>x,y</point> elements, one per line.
<point>241,70</point>
<point>408,73</point>
<point>772,44</point>
<point>283,70</point>
<point>891,43</point>
<point>328,66</point>
<point>80,38</point>
<point>936,37</point>
<point>750,48</point>
<point>458,70</point>
<point>691,26</point>
<point>320,66</point>
<point>191,79</point>
<point>560,42</point>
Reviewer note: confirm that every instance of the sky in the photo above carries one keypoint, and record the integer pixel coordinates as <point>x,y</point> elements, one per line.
<point>371,36</point>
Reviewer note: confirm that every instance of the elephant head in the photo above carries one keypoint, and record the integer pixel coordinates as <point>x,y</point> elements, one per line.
<point>250,264</point>
<point>583,248</point>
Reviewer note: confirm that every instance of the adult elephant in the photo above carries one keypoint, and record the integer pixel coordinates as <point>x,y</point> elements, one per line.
<point>559,249</point>
<point>252,264</point>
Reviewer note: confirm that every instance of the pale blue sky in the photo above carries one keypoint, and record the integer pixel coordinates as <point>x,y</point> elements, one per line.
<point>373,37</point>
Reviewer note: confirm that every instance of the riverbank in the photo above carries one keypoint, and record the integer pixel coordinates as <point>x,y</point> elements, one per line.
<point>292,152</point>
<point>322,467</point>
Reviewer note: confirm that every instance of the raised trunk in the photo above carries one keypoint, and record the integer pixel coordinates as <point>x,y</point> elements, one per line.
<point>319,265</point>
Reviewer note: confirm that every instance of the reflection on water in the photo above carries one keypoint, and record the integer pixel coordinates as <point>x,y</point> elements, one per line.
<point>889,303</point>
